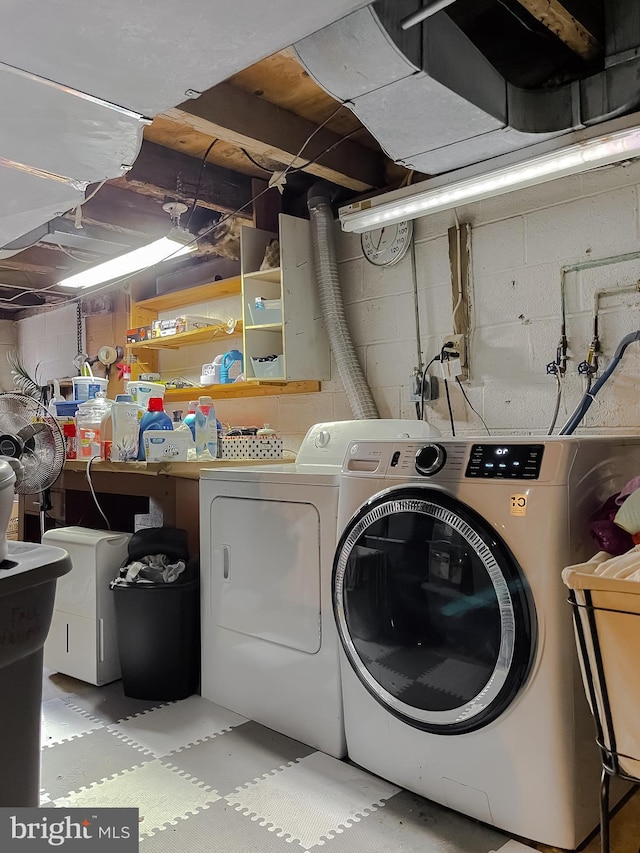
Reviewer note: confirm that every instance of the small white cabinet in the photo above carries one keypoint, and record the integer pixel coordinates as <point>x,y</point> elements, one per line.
<point>82,641</point>
<point>293,328</point>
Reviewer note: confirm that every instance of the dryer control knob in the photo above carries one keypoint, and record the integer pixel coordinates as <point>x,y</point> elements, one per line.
<point>430,459</point>
<point>323,438</point>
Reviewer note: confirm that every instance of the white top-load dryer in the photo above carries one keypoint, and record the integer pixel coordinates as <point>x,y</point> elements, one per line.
<point>268,535</point>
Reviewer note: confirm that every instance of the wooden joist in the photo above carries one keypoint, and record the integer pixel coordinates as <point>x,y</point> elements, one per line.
<point>554,15</point>
<point>160,172</point>
<point>247,121</point>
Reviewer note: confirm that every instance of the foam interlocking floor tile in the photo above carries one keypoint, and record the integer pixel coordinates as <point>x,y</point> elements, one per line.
<point>312,799</point>
<point>109,704</point>
<point>70,765</point>
<point>207,781</point>
<point>373,651</point>
<point>163,796</point>
<point>409,824</point>
<point>389,677</point>
<point>61,722</point>
<point>237,756</point>
<point>218,829</point>
<point>170,727</point>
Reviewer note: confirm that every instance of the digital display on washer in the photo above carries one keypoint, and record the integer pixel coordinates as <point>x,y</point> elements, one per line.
<point>505,461</point>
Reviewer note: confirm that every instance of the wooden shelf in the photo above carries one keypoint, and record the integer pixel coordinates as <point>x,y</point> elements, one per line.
<point>238,390</point>
<point>273,275</point>
<point>187,339</point>
<point>191,295</point>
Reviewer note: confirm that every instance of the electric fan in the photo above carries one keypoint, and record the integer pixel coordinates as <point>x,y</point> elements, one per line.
<point>33,445</point>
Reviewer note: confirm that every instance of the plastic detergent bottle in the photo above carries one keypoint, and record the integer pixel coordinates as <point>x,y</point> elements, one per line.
<point>125,417</point>
<point>190,419</point>
<point>154,418</point>
<point>206,429</point>
<point>228,359</point>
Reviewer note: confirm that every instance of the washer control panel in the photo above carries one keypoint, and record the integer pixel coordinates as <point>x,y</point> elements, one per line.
<point>505,461</point>
<point>430,459</point>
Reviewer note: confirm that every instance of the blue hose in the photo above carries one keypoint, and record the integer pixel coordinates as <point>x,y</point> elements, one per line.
<point>589,396</point>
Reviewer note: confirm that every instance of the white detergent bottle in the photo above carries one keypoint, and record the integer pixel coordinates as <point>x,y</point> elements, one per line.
<point>125,417</point>
<point>206,429</point>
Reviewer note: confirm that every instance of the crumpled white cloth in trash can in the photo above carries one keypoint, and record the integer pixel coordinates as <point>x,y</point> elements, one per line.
<point>153,569</point>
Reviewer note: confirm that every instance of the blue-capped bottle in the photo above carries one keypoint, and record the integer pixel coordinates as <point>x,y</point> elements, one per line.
<point>154,418</point>
<point>206,429</point>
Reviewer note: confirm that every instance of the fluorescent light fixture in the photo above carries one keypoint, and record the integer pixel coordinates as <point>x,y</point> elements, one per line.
<point>449,192</point>
<point>177,243</point>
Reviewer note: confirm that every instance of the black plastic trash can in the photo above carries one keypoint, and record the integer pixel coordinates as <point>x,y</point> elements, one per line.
<point>158,629</point>
<point>158,624</point>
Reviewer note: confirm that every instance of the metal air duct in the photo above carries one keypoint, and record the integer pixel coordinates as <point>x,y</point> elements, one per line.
<point>435,103</point>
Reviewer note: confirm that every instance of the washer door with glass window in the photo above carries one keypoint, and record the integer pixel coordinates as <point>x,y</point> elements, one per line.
<point>434,613</point>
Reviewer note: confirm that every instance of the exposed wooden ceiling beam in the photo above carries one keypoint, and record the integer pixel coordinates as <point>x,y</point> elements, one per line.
<point>125,211</point>
<point>554,15</point>
<point>160,172</point>
<point>32,266</point>
<point>228,113</point>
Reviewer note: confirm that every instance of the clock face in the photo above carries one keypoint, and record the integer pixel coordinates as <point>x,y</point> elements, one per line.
<point>387,245</point>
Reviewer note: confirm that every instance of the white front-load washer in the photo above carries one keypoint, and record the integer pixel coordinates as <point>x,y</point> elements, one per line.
<point>268,536</point>
<point>459,671</point>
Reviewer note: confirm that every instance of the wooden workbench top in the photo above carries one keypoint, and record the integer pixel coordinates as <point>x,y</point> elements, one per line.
<point>186,470</point>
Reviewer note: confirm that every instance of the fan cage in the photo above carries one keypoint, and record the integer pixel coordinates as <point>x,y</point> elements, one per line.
<point>43,454</point>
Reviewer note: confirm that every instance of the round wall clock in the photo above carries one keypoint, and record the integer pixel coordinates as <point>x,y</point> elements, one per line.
<point>387,245</point>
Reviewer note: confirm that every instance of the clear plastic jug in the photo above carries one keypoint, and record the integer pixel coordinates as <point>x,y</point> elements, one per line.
<point>91,427</point>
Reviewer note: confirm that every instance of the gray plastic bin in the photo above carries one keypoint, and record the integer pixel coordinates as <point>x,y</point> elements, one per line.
<point>27,591</point>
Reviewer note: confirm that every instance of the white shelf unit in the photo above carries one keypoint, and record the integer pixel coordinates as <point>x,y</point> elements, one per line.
<point>300,338</point>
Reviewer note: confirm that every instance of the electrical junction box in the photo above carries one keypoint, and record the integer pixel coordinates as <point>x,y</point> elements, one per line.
<point>455,344</point>
<point>454,357</point>
<point>423,388</point>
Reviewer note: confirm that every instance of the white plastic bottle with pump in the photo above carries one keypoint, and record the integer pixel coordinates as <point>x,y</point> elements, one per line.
<point>206,429</point>
<point>125,417</point>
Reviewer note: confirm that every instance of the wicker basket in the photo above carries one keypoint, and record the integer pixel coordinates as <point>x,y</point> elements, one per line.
<point>606,612</point>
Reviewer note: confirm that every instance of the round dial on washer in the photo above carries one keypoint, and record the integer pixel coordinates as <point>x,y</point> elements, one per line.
<point>323,438</point>
<point>430,459</point>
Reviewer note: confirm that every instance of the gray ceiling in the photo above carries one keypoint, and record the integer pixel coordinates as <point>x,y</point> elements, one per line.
<point>133,60</point>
